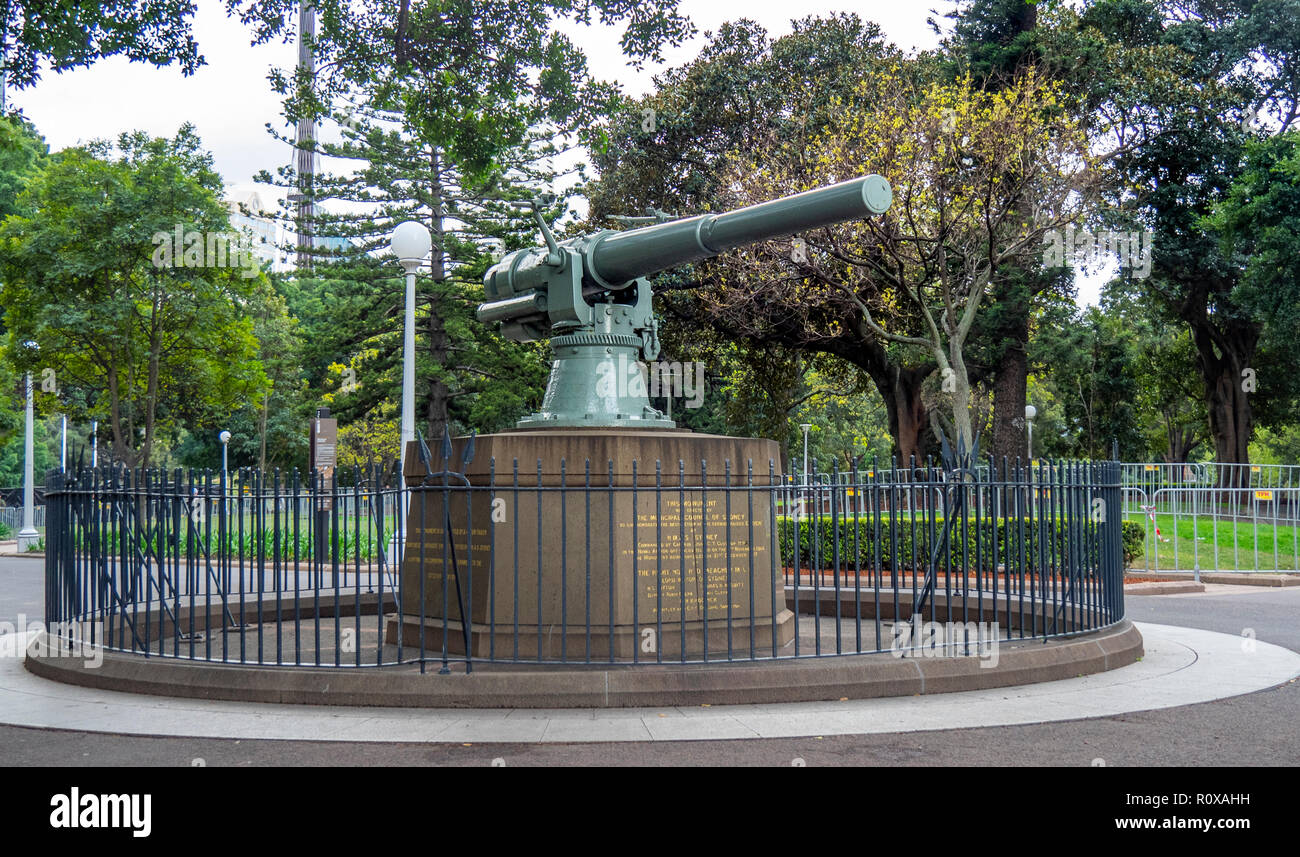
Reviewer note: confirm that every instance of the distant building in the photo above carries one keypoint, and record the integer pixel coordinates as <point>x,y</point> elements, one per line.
<point>335,246</point>
<point>268,236</point>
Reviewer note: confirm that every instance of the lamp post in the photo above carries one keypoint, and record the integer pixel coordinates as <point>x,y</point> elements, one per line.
<point>28,534</point>
<point>224,437</point>
<point>1030,413</point>
<point>410,243</point>
<point>805,427</point>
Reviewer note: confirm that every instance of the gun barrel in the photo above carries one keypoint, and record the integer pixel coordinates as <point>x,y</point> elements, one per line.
<point>625,256</point>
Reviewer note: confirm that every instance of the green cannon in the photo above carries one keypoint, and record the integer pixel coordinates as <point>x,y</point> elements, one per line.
<point>590,295</point>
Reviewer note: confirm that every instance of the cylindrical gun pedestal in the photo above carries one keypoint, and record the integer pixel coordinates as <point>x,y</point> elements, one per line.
<point>562,549</point>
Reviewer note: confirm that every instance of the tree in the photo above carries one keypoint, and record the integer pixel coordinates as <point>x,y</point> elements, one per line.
<point>131,338</point>
<point>1182,87</point>
<point>964,162</point>
<point>1085,357</point>
<point>44,458</point>
<point>271,429</point>
<point>454,109</point>
<point>744,88</point>
<point>22,153</point>
<point>71,35</point>
<point>1259,225</point>
<point>993,41</point>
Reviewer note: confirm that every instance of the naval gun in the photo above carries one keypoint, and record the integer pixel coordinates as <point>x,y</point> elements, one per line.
<point>591,296</point>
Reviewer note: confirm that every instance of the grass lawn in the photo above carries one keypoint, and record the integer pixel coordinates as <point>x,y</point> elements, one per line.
<point>1241,545</point>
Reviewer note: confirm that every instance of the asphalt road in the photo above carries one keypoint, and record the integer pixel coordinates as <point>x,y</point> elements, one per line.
<point>1254,730</point>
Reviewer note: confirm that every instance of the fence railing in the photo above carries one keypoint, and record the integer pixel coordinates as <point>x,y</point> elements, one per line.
<point>598,563</point>
<point>12,517</point>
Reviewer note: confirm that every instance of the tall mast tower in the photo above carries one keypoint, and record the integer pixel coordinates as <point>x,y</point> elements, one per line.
<point>305,140</point>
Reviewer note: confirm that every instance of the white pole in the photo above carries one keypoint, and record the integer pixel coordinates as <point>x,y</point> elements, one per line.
<point>94,443</point>
<point>408,360</point>
<point>805,427</point>
<point>27,535</point>
<point>1030,413</point>
<point>63,450</point>
<point>410,243</point>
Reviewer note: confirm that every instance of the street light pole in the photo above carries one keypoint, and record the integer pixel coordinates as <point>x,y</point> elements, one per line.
<point>28,534</point>
<point>805,427</point>
<point>410,243</point>
<point>1030,413</point>
<point>224,437</point>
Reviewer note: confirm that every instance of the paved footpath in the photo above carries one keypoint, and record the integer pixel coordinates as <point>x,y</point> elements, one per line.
<point>996,727</point>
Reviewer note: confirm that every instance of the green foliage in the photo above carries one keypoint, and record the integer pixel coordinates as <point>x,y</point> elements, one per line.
<point>6,532</point>
<point>449,112</point>
<point>64,36</point>
<point>1133,536</point>
<point>1185,93</point>
<point>256,543</point>
<point>1259,225</point>
<point>1085,357</point>
<point>375,439</point>
<point>142,347</point>
<point>22,153</point>
<point>45,449</point>
<point>977,544</point>
<point>486,73</point>
<point>269,430</point>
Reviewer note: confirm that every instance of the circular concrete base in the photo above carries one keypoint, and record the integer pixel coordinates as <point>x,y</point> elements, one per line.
<point>509,686</point>
<point>1182,666</point>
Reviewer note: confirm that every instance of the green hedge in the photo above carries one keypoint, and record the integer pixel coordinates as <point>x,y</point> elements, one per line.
<point>349,546</point>
<point>864,552</point>
<point>1134,536</point>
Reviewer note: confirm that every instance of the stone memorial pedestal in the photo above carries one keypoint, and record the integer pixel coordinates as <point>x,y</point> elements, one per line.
<point>565,562</point>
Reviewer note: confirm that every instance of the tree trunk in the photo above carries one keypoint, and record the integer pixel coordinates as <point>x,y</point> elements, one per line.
<point>1010,435</point>
<point>1230,417</point>
<point>909,422</point>
<point>1224,358</point>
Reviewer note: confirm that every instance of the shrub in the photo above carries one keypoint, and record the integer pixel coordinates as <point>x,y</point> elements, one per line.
<point>975,548</point>
<point>1133,535</point>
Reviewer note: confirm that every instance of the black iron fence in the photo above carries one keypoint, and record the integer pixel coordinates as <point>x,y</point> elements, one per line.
<point>602,563</point>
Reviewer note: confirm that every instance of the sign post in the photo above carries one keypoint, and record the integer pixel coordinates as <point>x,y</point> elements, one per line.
<point>324,457</point>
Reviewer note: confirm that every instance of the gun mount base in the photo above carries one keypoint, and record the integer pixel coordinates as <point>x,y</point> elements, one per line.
<point>597,377</point>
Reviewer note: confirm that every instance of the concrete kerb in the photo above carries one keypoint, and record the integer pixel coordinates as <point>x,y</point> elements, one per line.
<point>505,686</point>
<point>1171,587</point>
<point>1238,578</point>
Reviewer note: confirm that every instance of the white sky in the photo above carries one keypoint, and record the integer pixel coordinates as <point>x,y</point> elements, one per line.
<point>230,102</point>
